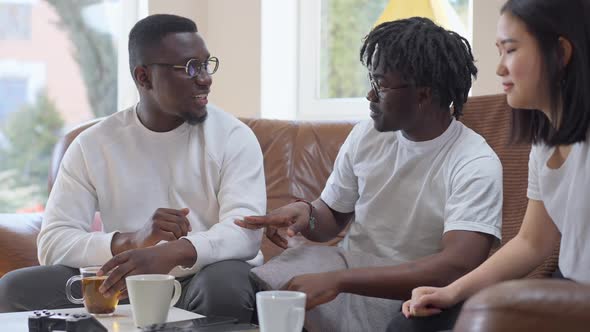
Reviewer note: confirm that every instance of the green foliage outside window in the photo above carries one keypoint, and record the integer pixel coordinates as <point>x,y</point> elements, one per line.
<point>344,24</point>
<point>31,134</point>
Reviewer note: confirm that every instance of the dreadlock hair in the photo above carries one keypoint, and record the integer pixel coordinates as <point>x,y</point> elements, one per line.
<point>425,54</point>
<point>147,33</point>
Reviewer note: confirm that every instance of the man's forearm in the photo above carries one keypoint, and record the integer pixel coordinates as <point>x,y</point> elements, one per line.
<point>397,282</point>
<point>121,242</point>
<point>184,252</point>
<point>328,224</point>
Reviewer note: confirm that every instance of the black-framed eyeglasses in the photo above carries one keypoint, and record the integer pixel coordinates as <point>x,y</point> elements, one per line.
<point>380,91</point>
<point>193,67</point>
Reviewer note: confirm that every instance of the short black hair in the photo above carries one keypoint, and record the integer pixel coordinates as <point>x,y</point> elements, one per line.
<point>546,21</point>
<point>148,32</point>
<point>426,54</point>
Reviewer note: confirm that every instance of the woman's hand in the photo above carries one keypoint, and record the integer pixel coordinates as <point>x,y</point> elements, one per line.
<point>428,301</point>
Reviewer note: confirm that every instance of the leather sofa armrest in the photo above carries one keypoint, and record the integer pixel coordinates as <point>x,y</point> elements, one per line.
<point>18,241</point>
<point>528,305</point>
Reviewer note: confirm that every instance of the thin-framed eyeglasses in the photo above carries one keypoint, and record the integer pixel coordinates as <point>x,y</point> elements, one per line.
<point>193,67</point>
<point>380,91</point>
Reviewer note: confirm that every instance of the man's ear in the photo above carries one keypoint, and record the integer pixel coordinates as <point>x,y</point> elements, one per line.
<point>565,51</point>
<point>424,95</point>
<point>142,77</point>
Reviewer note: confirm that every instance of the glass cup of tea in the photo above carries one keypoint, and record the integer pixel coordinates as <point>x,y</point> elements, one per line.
<point>94,301</point>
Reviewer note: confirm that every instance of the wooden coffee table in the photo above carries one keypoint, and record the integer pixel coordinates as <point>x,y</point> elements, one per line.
<point>121,321</point>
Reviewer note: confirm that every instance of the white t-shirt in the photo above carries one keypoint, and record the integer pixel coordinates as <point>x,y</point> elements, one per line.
<point>125,171</point>
<point>564,192</point>
<point>407,194</point>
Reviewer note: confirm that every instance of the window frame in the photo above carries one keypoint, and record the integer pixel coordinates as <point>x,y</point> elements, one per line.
<point>29,4</point>
<point>308,103</point>
<point>311,106</point>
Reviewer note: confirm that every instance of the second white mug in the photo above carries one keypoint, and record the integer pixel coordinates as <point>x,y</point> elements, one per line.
<point>280,311</point>
<point>151,296</point>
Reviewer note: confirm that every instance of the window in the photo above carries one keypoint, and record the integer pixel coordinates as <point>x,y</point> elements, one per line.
<point>338,86</point>
<point>16,20</point>
<point>329,80</point>
<point>58,68</point>
<point>343,24</point>
<point>13,93</point>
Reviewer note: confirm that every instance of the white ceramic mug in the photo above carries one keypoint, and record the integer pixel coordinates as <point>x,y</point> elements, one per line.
<point>151,296</point>
<point>280,311</point>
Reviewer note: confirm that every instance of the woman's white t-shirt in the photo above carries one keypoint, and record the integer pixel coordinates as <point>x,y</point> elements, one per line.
<point>564,192</point>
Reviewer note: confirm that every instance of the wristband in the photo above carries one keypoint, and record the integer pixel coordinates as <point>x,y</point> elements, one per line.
<point>312,220</point>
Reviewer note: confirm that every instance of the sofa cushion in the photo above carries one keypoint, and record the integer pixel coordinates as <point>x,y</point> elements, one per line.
<point>527,305</point>
<point>490,116</point>
<point>298,158</point>
<point>18,241</point>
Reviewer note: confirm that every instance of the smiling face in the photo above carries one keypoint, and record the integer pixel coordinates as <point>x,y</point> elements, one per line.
<point>521,65</point>
<point>172,89</point>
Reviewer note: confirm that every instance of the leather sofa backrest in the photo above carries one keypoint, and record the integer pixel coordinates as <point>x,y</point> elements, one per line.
<point>490,116</point>
<point>60,149</point>
<point>18,241</point>
<point>299,155</point>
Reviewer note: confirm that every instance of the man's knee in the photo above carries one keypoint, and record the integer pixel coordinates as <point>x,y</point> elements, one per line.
<point>226,277</point>
<point>223,288</point>
<point>32,288</point>
<point>10,287</point>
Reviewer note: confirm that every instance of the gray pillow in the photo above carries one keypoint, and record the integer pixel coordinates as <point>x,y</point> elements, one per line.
<point>304,259</point>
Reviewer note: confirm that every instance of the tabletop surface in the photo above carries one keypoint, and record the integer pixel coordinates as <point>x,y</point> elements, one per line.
<point>121,321</point>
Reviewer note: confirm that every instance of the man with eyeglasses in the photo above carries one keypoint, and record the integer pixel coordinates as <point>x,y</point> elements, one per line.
<point>168,176</point>
<point>420,192</point>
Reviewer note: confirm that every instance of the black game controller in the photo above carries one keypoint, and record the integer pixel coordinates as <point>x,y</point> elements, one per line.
<point>45,321</point>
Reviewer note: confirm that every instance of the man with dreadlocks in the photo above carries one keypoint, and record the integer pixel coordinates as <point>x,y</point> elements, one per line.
<point>421,192</point>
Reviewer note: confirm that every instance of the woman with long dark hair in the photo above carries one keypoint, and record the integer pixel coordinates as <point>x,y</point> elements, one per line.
<point>544,48</point>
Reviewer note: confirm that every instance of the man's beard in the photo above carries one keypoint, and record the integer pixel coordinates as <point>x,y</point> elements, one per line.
<point>193,119</point>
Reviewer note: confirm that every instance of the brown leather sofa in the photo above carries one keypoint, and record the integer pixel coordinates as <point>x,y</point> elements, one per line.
<point>298,157</point>
<point>540,305</point>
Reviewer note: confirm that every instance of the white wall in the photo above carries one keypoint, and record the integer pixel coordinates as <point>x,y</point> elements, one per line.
<point>279,51</point>
<point>197,10</point>
<point>231,30</point>
<point>485,17</point>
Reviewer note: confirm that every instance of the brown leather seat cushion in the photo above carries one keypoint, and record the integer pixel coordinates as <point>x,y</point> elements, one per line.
<point>490,116</point>
<point>298,158</point>
<point>18,241</point>
<point>528,305</point>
